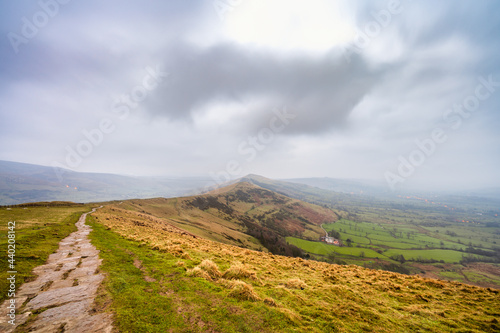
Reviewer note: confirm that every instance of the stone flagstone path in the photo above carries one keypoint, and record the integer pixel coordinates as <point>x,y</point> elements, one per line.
<point>61,297</point>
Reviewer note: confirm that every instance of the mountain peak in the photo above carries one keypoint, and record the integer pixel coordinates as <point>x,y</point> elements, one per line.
<point>253,177</point>
<point>238,185</point>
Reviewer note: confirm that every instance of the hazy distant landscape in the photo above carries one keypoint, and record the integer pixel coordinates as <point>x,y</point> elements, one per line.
<point>22,183</point>
<point>315,221</point>
<point>450,237</point>
<point>262,253</point>
<point>250,166</point>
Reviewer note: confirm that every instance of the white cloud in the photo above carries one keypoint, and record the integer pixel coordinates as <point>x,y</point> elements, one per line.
<point>284,25</point>
<point>353,119</point>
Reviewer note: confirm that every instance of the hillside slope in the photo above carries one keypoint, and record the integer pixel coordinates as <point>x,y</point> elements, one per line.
<point>21,183</point>
<point>305,192</point>
<point>163,279</point>
<point>241,214</point>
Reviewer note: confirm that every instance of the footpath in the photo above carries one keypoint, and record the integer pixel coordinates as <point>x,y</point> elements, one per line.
<point>62,296</point>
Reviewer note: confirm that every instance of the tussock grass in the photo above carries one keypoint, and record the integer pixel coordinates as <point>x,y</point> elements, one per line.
<point>186,256</point>
<point>198,272</point>
<point>239,271</point>
<point>211,268</point>
<point>269,301</point>
<point>243,291</point>
<point>334,297</point>
<point>207,269</point>
<point>296,284</point>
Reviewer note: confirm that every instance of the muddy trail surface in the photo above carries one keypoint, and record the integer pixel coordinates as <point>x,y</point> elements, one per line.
<point>62,296</point>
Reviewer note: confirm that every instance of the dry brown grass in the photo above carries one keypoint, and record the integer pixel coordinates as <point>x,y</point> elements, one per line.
<point>198,272</point>
<point>243,291</point>
<point>239,271</point>
<point>270,301</point>
<point>207,269</point>
<point>211,268</point>
<point>352,297</point>
<point>296,284</point>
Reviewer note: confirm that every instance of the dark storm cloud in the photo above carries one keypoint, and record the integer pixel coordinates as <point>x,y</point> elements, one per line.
<point>89,36</point>
<point>321,92</point>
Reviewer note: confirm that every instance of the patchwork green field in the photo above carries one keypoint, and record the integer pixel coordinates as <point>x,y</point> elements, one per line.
<point>404,246</point>
<point>328,249</point>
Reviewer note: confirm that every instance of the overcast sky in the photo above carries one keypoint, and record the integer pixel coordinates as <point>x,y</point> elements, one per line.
<point>406,93</point>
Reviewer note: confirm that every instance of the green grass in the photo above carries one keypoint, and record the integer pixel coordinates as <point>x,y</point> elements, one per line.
<point>414,242</point>
<point>174,302</point>
<point>358,252</point>
<point>465,233</point>
<point>477,277</point>
<point>448,256</point>
<point>311,247</point>
<point>38,233</point>
<point>395,245</point>
<point>326,249</point>
<point>292,294</point>
<point>455,276</point>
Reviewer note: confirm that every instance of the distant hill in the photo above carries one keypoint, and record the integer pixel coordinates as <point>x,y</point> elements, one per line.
<point>21,183</point>
<point>380,189</point>
<point>350,186</point>
<point>349,195</point>
<point>242,214</point>
<point>309,193</point>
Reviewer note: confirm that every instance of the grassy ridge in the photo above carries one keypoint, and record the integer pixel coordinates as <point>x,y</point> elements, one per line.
<point>162,279</point>
<point>38,233</point>
<point>151,293</point>
<point>242,214</point>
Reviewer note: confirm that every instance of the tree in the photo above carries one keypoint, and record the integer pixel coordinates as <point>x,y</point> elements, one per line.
<point>349,242</point>
<point>331,257</point>
<point>402,259</point>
